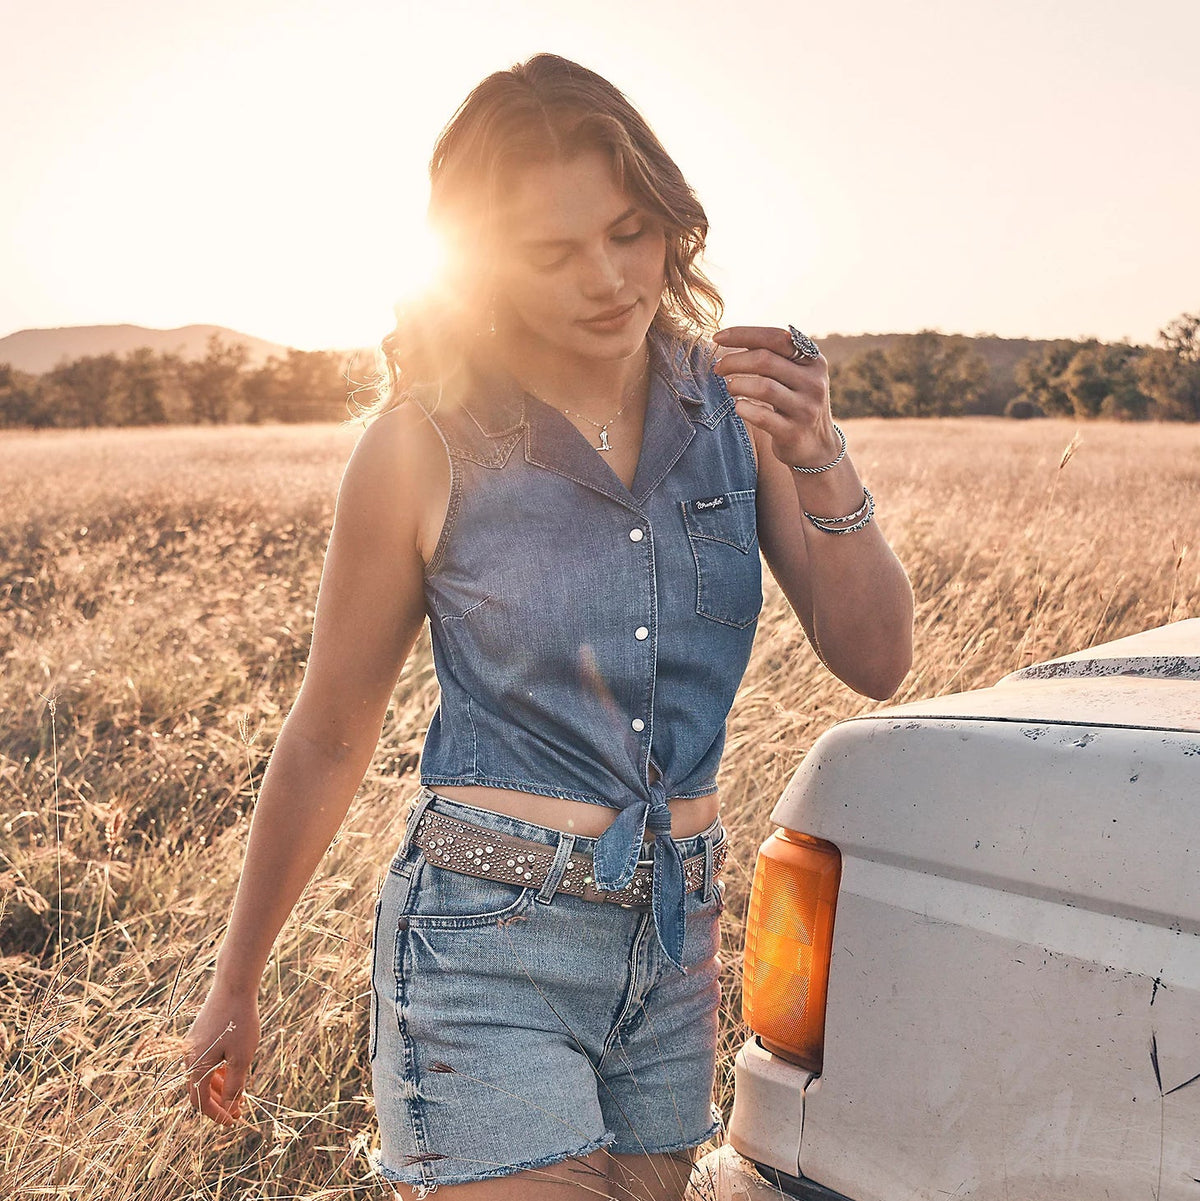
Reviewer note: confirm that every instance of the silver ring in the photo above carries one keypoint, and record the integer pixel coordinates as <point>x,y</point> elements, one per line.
<point>806,348</point>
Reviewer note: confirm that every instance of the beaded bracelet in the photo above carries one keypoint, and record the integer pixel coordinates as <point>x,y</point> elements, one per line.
<point>824,523</point>
<point>837,429</point>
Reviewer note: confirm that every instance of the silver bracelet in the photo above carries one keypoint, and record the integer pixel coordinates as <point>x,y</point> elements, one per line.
<point>837,429</point>
<point>824,524</point>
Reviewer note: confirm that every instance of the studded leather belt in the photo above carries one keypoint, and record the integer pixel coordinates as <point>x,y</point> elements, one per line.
<point>477,851</point>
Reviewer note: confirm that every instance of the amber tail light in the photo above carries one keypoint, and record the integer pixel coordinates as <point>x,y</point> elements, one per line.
<point>789,941</point>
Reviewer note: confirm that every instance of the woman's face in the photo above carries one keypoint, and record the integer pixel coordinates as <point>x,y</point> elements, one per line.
<point>574,248</point>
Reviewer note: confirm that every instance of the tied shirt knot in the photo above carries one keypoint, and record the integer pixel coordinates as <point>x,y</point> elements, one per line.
<point>615,860</point>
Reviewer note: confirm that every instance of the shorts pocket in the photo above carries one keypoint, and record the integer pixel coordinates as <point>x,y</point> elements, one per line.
<point>448,900</point>
<point>723,534</point>
<point>696,906</point>
<point>702,925</point>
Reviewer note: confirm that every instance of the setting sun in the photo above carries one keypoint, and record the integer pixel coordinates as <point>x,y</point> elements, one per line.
<point>420,259</point>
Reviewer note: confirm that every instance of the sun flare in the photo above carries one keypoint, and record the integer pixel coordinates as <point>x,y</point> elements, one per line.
<point>420,263</point>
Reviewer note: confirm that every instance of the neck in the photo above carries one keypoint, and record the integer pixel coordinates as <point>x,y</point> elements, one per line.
<point>593,387</point>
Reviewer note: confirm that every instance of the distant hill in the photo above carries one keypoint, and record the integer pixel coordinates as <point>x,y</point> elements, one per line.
<point>40,350</point>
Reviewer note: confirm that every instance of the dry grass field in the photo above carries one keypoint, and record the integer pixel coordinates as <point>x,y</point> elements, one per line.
<point>156,597</point>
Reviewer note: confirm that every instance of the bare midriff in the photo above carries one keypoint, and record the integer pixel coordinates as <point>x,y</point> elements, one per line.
<point>689,815</point>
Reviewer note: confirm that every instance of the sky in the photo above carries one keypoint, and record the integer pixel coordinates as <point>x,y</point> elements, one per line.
<point>1028,168</point>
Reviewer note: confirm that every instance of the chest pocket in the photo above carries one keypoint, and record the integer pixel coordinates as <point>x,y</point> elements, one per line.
<point>723,533</point>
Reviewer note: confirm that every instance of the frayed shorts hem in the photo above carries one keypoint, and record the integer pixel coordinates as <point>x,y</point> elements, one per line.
<point>413,1177</point>
<point>715,1128</point>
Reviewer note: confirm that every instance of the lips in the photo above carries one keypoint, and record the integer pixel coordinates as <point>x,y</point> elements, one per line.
<point>608,316</point>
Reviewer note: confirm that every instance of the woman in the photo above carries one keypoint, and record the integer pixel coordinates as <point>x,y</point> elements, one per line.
<point>560,479</point>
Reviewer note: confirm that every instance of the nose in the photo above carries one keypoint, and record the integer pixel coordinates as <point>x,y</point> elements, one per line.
<point>602,275</point>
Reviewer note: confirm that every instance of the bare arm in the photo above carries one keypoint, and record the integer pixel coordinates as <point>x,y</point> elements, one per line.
<point>370,609</point>
<point>369,612</point>
<point>849,591</point>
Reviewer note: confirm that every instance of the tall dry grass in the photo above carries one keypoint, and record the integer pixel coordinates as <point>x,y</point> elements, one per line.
<point>156,593</point>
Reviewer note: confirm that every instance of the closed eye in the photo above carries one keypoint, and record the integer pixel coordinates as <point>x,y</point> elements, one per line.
<point>551,266</point>
<point>623,239</point>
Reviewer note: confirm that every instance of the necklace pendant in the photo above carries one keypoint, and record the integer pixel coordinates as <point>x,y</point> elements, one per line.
<point>604,444</point>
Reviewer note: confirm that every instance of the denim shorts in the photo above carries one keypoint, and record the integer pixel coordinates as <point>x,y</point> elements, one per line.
<point>510,1032</point>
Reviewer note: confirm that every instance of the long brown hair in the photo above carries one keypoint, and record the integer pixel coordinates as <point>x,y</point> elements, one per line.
<point>543,110</point>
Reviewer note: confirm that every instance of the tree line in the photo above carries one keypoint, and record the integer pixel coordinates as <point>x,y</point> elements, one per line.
<point>927,374</point>
<point>148,388</point>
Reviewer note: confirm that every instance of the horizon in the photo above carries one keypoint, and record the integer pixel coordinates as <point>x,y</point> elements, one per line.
<point>190,325</point>
<point>1010,169</point>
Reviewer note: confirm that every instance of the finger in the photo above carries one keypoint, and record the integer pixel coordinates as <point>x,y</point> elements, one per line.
<point>209,1088</point>
<point>766,419</point>
<point>763,362</point>
<point>769,391</point>
<point>232,1084</point>
<point>765,337</point>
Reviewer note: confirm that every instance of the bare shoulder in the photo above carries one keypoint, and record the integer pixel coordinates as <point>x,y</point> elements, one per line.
<point>397,482</point>
<point>399,445</point>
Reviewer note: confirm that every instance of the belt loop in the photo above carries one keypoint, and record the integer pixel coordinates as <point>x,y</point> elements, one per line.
<point>422,802</point>
<point>566,845</point>
<point>706,893</point>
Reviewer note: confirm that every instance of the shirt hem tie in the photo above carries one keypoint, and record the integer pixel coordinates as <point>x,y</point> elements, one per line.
<point>615,860</point>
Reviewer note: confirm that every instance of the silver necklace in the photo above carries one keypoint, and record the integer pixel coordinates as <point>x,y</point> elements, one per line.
<point>604,443</point>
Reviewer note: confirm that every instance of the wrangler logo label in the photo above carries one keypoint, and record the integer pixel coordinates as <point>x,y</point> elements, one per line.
<point>709,502</point>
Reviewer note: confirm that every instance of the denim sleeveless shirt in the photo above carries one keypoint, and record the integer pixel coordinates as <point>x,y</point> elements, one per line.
<point>582,630</point>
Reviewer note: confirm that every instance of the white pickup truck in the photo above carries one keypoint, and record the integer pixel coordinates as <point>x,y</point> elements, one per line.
<point>972,964</point>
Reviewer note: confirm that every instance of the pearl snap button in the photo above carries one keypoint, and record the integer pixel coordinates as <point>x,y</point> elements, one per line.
<point>641,633</point>
<point>636,534</point>
<point>638,724</point>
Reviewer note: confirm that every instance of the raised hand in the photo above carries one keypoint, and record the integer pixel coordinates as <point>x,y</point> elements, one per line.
<point>786,399</point>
